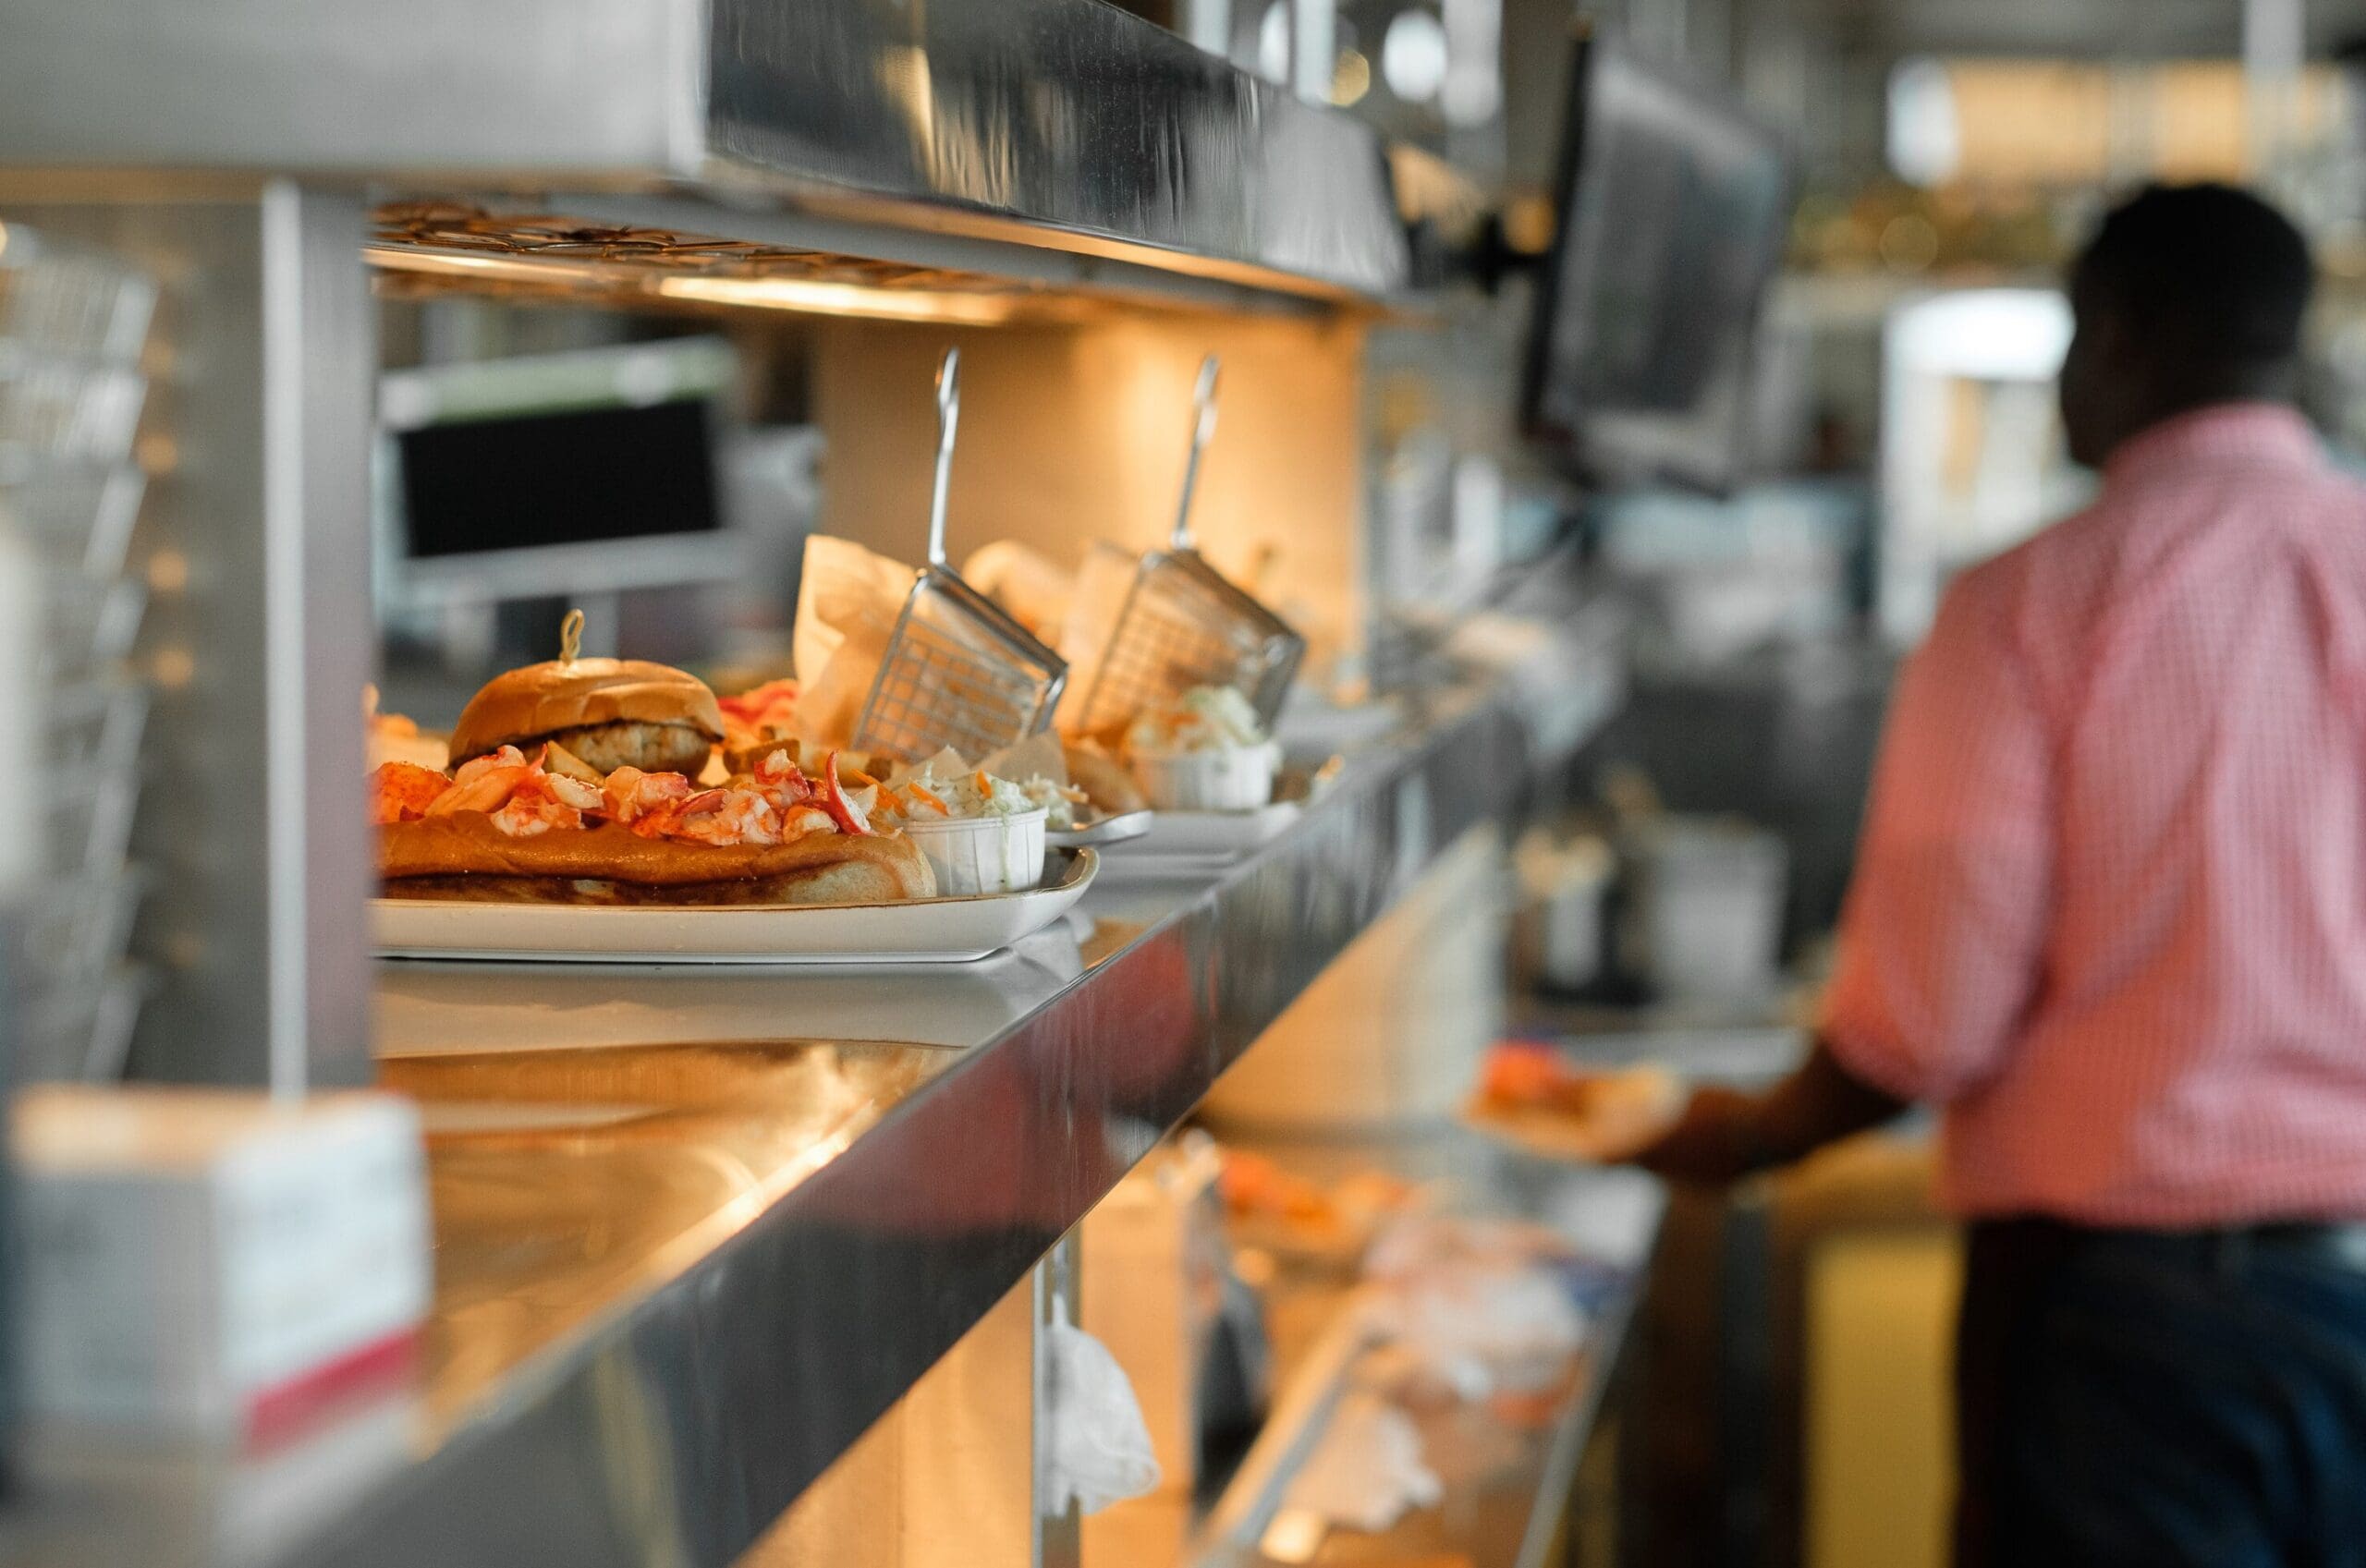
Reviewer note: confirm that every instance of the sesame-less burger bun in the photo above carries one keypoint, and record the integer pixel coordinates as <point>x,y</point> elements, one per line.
<point>611,712</point>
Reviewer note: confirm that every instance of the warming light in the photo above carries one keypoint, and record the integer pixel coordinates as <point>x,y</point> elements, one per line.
<point>840,299</point>
<point>813,295</point>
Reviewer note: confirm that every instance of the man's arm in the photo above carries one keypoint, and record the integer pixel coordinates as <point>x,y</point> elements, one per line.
<point>1726,1134</point>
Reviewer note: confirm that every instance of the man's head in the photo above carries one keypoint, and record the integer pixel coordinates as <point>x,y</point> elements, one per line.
<point>2188,294</point>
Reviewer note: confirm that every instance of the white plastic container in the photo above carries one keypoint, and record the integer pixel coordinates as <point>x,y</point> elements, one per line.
<point>982,855</point>
<point>1710,910</point>
<point>1237,778</point>
<point>215,1261</point>
<point>1563,926</point>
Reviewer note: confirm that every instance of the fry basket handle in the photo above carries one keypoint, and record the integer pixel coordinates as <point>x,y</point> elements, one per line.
<point>1204,425</point>
<point>948,418</point>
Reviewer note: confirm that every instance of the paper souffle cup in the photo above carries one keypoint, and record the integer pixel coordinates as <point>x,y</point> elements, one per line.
<point>981,855</point>
<point>1233,778</point>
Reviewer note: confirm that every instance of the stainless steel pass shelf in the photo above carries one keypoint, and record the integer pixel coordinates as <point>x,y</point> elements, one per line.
<point>684,1262</point>
<point>1008,1103</point>
<point>1060,123</point>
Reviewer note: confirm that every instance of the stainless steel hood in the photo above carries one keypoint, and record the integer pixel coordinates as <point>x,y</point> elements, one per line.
<point>1065,124</point>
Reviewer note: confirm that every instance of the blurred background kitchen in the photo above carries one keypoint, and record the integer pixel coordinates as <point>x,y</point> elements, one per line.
<point>316,318</point>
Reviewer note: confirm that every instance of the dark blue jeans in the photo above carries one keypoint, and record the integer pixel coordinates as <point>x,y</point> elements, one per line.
<point>2160,1399</point>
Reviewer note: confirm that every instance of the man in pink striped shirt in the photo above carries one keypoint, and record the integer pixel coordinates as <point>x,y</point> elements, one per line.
<point>2109,914</point>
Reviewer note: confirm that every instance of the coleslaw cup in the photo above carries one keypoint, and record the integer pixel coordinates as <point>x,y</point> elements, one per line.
<point>982,855</point>
<point>1232,778</point>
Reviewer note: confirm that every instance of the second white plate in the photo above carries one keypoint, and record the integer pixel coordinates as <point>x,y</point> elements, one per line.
<point>934,930</point>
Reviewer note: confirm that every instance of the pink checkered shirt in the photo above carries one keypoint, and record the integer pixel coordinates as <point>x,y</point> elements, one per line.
<point>2110,905</point>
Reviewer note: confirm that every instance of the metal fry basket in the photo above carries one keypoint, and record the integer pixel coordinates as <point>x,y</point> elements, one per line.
<point>958,670</point>
<point>1184,624</point>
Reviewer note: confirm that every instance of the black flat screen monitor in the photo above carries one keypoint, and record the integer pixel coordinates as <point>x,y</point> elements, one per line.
<point>582,472</point>
<point>1674,208</point>
<point>530,481</point>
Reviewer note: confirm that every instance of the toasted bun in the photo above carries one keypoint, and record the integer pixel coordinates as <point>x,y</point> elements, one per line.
<point>540,700</point>
<point>852,881</point>
<point>444,857</point>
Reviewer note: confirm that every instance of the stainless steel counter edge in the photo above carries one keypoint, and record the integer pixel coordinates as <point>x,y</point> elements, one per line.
<point>723,1393</point>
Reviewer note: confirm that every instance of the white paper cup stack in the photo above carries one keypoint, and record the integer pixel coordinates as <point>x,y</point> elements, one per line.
<point>982,855</point>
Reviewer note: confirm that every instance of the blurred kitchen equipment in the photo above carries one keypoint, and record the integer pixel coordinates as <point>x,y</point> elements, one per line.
<point>1185,624</point>
<point>959,670</point>
<point>1706,922</point>
<point>74,323</point>
<point>1563,925</point>
<point>1237,1383</point>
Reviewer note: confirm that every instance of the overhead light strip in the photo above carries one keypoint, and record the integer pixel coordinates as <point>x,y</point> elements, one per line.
<point>807,296</point>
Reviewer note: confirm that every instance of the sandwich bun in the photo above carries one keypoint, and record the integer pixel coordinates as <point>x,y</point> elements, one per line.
<point>611,712</point>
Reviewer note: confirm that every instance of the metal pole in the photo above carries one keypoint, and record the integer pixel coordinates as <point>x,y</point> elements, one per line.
<point>1207,23</point>
<point>2275,43</point>
<point>1314,49</point>
<point>320,364</point>
<point>1059,1538</point>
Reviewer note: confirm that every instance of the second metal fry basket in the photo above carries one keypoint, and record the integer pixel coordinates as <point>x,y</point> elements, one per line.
<point>958,670</point>
<point>1184,624</point>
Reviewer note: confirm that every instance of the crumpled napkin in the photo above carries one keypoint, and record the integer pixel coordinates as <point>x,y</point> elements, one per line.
<point>1367,1470</point>
<point>1475,1306</point>
<point>1099,1452</point>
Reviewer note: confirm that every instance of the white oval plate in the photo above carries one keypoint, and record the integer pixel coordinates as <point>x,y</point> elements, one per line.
<point>1180,843</point>
<point>919,931</point>
<point>1219,835</point>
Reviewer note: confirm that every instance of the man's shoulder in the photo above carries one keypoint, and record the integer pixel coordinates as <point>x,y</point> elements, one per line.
<point>2336,488</point>
<point>2034,584</point>
<point>2058,556</point>
<point>2000,581</point>
<point>2068,573</point>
